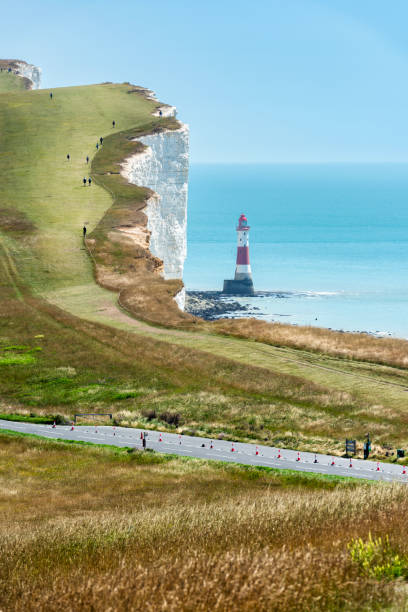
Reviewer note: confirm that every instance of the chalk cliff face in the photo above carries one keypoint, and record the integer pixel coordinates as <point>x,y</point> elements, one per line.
<point>163,167</point>
<point>30,72</point>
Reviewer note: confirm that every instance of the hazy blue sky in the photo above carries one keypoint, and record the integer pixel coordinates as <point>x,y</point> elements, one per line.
<point>260,80</point>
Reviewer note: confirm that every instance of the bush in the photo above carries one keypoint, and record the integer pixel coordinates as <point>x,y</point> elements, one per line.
<point>377,559</point>
<point>172,418</point>
<point>61,420</point>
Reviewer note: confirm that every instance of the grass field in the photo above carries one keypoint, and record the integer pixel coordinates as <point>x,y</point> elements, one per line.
<point>102,528</point>
<point>11,82</point>
<point>39,182</point>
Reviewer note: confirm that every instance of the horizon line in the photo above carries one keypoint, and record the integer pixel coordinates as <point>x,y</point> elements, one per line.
<point>301,163</point>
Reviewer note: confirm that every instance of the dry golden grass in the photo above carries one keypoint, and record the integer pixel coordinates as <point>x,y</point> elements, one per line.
<point>389,351</point>
<point>88,528</point>
<point>235,580</point>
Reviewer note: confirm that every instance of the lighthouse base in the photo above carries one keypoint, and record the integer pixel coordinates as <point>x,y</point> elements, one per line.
<point>239,287</point>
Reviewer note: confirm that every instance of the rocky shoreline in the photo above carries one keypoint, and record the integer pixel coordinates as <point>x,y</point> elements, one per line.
<point>212,305</point>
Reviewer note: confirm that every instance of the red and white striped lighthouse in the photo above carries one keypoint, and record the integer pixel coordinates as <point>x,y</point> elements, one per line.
<point>243,267</point>
<point>242,283</point>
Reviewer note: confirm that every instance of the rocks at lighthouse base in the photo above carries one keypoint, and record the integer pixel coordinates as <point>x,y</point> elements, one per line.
<point>211,305</point>
<point>239,287</point>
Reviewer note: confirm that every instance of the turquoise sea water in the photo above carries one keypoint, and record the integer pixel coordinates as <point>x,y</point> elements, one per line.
<point>334,236</point>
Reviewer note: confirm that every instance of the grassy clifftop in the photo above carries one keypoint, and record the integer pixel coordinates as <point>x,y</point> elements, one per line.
<point>9,80</point>
<point>42,187</point>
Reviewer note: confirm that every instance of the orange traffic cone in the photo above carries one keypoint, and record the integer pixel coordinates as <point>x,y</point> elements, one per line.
<point>298,457</point>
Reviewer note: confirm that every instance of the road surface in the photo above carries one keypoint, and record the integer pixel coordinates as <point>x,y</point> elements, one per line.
<point>220,450</point>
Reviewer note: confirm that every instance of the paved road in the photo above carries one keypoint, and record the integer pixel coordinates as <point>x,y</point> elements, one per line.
<point>220,450</point>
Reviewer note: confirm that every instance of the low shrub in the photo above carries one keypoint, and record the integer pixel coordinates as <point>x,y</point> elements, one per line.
<point>377,558</point>
<point>172,418</point>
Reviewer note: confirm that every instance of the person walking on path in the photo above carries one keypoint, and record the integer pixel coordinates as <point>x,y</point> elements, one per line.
<point>101,140</point>
<point>89,181</point>
<point>84,181</point>
<point>68,157</point>
<point>87,159</point>
<point>51,95</point>
<point>97,145</point>
<point>113,123</point>
<point>84,231</point>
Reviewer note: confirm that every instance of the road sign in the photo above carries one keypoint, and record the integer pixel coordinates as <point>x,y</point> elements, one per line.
<point>351,447</point>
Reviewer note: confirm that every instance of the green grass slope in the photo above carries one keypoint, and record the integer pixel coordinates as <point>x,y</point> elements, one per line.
<point>39,182</point>
<point>10,78</point>
<point>41,186</point>
<point>64,343</point>
<point>11,82</point>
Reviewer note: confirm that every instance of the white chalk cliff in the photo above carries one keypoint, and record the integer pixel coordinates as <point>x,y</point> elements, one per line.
<point>30,72</point>
<point>163,167</point>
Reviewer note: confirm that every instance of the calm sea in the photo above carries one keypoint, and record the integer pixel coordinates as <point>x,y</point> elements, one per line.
<point>334,238</point>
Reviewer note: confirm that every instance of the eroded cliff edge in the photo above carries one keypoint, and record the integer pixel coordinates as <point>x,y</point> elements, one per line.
<point>139,246</point>
<point>30,73</point>
<point>163,168</point>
